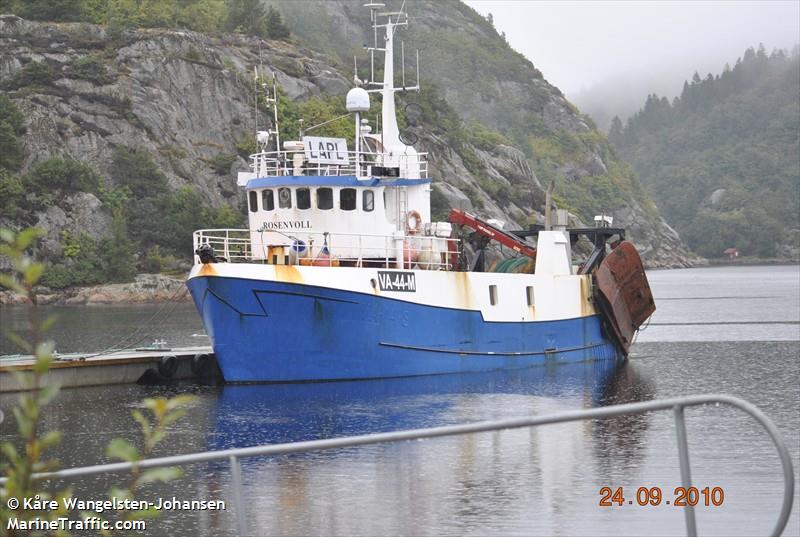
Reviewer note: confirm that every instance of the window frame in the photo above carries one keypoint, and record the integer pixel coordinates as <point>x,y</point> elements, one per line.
<point>364,200</point>
<point>297,198</point>
<point>280,202</point>
<point>353,203</point>
<point>267,199</point>
<point>317,196</point>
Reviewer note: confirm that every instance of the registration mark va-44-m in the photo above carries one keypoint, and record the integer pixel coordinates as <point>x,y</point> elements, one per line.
<point>397,281</point>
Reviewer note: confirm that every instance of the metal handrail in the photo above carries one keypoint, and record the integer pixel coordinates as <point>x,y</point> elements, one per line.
<point>295,163</point>
<point>242,248</point>
<point>676,404</point>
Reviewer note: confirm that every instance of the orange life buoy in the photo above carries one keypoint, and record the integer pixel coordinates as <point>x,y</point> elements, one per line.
<point>413,222</point>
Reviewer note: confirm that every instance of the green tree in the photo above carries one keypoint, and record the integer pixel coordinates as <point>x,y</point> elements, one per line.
<point>276,29</point>
<point>50,10</point>
<point>118,250</point>
<point>11,194</point>
<point>615,131</point>
<point>64,175</point>
<point>733,136</point>
<point>246,16</point>
<point>9,113</point>
<point>136,170</point>
<point>12,154</point>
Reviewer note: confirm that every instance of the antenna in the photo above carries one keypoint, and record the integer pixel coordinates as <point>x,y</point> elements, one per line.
<point>255,97</point>
<point>275,111</point>
<point>403,61</point>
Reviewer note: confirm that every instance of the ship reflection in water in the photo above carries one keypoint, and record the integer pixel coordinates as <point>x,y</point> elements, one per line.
<point>490,482</point>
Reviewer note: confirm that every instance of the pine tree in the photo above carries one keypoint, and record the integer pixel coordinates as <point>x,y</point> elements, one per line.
<point>276,29</point>
<point>615,132</point>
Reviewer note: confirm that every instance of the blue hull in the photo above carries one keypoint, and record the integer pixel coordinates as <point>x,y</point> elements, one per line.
<point>265,331</point>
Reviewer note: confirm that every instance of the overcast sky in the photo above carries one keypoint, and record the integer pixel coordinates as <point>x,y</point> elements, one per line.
<point>581,45</point>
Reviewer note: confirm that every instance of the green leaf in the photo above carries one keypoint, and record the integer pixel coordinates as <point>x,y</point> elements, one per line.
<point>10,283</point>
<point>45,348</point>
<point>27,236</point>
<point>24,425</point>
<point>180,401</point>
<point>47,324</point>
<point>48,393</point>
<point>163,475</point>
<point>9,450</point>
<point>42,364</point>
<point>157,436</point>
<point>157,405</point>
<point>172,417</point>
<point>33,274</point>
<point>6,235</point>
<point>141,420</point>
<point>119,448</point>
<point>18,341</point>
<point>50,439</point>
<point>122,494</point>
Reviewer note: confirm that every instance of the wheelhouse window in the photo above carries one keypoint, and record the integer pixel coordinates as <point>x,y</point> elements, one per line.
<point>347,199</point>
<point>285,198</point>
<point>303,198</point>
<point>324,198</point>
<point>368,201</point>
<point>268,200</point>
<point>253,199</point>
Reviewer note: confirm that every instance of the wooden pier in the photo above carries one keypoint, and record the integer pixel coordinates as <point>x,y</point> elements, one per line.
<point>146,366</point>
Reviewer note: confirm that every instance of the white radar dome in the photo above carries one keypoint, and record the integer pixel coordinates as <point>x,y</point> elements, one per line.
<point>262,137</point>
<point>357,100</point>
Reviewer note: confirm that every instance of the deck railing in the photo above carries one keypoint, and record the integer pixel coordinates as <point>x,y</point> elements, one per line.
<point>295,163</point>
<point>676,405</point>
<point>330,249</point>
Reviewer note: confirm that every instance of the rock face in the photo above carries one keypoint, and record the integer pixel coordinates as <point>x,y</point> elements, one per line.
<point>145,288</point>
<point>187,98</point>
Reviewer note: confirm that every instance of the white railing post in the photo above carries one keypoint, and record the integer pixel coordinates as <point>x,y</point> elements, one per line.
<point>686,472</point>
<point>238,504</point>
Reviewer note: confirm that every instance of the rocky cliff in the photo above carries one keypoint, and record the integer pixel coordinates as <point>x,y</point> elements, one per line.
<point>186,99</point>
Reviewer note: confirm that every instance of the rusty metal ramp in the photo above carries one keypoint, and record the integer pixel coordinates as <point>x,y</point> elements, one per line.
<point>623,293</point>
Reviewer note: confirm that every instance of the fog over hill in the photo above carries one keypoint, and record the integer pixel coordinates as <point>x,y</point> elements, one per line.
<point>608,56</point>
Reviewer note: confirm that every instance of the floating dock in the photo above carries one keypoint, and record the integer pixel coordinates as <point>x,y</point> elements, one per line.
<point>145,366</point>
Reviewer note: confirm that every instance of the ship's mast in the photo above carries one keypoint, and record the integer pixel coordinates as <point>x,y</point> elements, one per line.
<point>390,131</point>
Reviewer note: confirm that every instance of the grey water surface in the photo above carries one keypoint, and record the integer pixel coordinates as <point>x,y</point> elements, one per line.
<point>733,330</point>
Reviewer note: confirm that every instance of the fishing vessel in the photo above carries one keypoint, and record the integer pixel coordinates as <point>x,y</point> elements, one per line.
<point>341,273</point>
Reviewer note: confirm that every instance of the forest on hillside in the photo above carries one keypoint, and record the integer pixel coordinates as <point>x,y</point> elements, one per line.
<point>118,164</point>
<point>722,160</point>
<point>247,16</point>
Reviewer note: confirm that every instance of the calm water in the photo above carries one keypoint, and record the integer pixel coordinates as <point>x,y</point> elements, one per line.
<point>540,481</point>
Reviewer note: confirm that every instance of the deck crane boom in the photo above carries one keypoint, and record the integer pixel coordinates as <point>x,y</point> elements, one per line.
<point>488,230</point>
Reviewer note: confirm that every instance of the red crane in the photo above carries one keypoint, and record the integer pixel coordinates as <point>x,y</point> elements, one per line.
<point>488,230</point>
